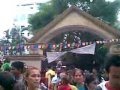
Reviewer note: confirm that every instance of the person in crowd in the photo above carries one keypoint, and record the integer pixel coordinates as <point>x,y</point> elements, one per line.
<point>32,79</point>
<point>17,68</point>
<point>64,84</point>
<point>90,82</point>
<point>49,75</point>
<point>7,80</point>
<point>55,81</point>
<point>79,79</point>
<point>59,66</point>
<point>112,68</point>
<point>97,75</point>
<point>6,66</point>
<point>70,78</point>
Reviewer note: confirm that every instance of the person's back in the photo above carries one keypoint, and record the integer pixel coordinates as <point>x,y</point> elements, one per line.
<point>20,84</point>
<point>64,87</point>
<point>7,80</point>
<point>64,84</point>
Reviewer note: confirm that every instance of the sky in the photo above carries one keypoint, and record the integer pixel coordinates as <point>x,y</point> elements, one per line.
<point>7,9</point>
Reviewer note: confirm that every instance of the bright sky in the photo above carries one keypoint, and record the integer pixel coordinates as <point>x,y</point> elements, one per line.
<point>7,9</point>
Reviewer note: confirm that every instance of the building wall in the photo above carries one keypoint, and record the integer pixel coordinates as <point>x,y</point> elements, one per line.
<point>29,60</point>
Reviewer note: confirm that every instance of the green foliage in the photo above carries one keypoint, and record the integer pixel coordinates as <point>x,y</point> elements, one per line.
<point>59,6</point>
<point>106,11</point>
<point>43,17</point>
<point>117,25</point>
<point>103,10</point>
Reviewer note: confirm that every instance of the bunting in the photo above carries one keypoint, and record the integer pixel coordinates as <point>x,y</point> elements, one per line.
<point>6,49</point>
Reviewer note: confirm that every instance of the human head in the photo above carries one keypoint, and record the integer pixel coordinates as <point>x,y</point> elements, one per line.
<point>6,67</point>
<point>78,76</point>
<point>90,82</point>
<point>32,77</point>
<point>62,74</point>
<point>17,67</point>
<point>65,80</point>
<point>7,80</point>
<point>112,67</point>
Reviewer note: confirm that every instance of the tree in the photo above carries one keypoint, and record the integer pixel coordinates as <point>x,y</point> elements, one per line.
<point>105,11</point>
<point>48,11</point>
<point>43,17</point>
<point>12,44</point>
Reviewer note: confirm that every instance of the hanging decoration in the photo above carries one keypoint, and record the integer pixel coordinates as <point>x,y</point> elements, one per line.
<point>11,50</point>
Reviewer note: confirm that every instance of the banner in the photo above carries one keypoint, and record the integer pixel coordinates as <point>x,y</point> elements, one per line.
<point>52,56</point>
<point>89,49</point>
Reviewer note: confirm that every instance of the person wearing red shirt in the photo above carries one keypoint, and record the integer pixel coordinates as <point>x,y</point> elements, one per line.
<point>64,84</point>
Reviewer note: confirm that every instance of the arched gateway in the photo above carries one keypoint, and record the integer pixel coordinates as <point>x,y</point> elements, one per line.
<point>75,19</point>
<point>70,20</point>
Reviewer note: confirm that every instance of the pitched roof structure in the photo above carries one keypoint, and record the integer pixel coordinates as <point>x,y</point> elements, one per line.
<point>98,23</point>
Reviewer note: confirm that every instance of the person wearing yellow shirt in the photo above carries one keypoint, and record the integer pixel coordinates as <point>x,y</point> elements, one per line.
<point>49,74</point>
<point>73,87</point>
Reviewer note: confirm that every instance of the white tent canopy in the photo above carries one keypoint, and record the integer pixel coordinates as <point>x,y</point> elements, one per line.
<point>89,49</point>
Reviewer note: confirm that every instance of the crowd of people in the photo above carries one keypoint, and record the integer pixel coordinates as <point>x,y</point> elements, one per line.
<point>17,76</point>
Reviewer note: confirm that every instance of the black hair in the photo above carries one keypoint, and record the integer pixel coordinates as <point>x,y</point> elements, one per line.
<point>65,80</point>
<point>80,70</point>
<point>112,60</point>
<point>89,78</point>
<point>19,66</point>
<point>7,80</point>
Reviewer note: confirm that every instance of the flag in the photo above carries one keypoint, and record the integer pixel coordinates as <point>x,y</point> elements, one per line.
<point>52,56</point>
<point>89,49</point>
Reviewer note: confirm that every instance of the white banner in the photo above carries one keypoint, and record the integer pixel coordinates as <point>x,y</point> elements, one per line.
<point>52,56</point>
<point>89,49</point>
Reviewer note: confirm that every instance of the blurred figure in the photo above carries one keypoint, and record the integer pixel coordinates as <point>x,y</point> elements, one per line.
<point>64,84</point>
<point>32,78</point>
<point>112,68</point>
<point>50,71</point>
<point>17,68</point>
<point>97,75</point>
<point>79,79</point>
<point>7,80</point>
<point>49,75</point>
<point>59,66</point>
<point>90,82</point>
<point>6,66</point>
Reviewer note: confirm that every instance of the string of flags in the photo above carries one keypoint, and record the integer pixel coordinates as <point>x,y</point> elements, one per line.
<point>54,46</point>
